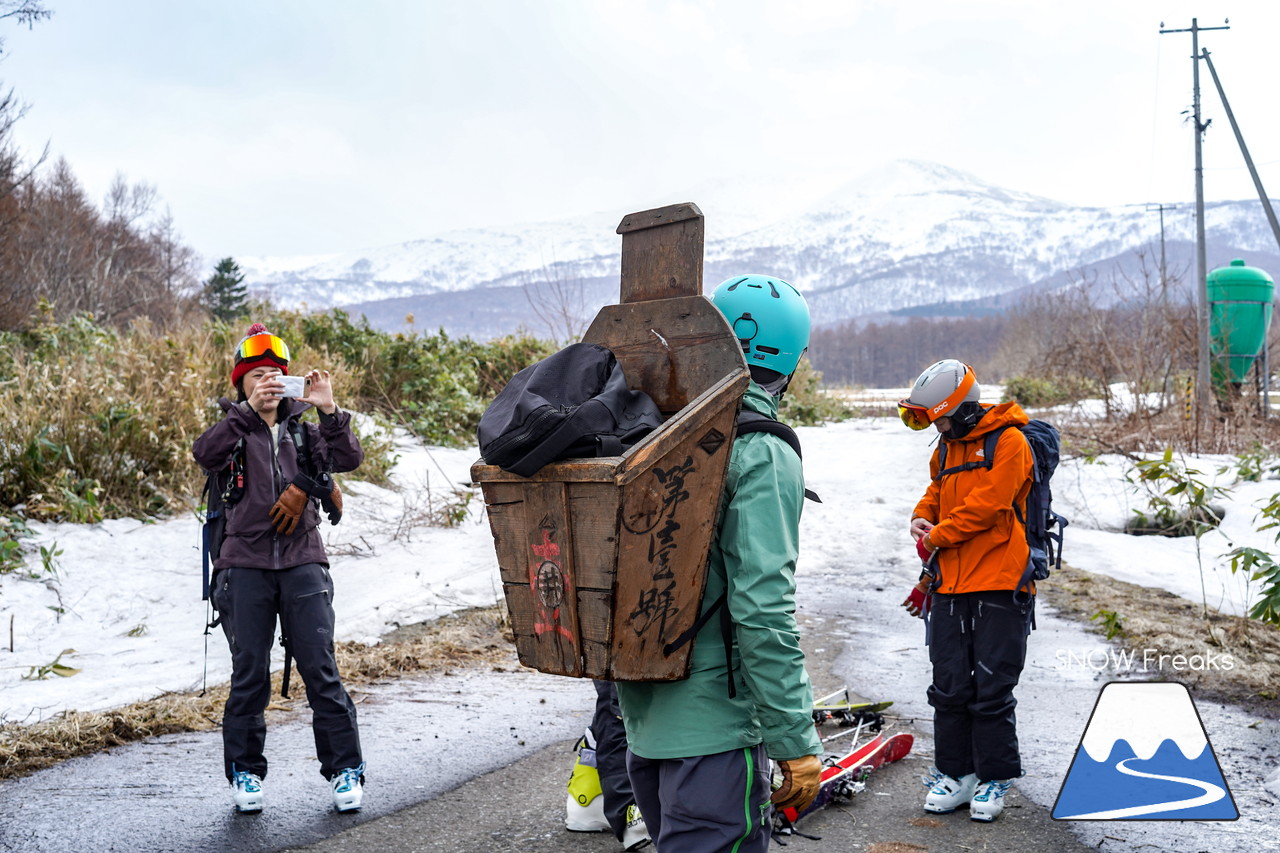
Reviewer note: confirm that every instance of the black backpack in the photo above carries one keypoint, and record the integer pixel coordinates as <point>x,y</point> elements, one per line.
<point>222,488</point>
<point>1038,516</point>
<point>572,404</point>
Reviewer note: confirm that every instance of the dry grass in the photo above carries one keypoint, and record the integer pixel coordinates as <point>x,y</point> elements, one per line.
<point>1226,432</point>
<point>477,637</point>
<point>1159,620</point>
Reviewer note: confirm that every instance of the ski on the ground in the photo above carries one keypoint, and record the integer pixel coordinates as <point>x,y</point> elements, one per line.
<point>868,714</point>
<point>845,776</point>
<point>840,700</point>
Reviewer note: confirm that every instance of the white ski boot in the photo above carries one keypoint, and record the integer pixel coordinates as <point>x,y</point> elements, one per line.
<point>988,800</point>
<point>246,792</point>
<point>946,794</point>
<point>348,790</point>
<point>636,834</point>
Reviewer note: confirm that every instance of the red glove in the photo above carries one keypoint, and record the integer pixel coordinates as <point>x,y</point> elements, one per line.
<point>915,602</point>
<point>922,550</point>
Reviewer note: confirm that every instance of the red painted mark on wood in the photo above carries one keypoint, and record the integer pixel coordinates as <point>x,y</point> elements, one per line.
<point>547,587</point>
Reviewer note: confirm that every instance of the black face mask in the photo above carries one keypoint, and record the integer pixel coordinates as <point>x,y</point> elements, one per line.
<point>964,419</point>
<point>773,382</point>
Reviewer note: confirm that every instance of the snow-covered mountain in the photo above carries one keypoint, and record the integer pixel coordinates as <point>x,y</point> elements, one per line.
<point>907,234</point>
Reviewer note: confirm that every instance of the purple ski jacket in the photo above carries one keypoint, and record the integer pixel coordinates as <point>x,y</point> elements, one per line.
<point>251,541</point>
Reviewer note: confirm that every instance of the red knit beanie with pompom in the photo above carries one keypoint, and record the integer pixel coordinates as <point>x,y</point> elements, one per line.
<point>273,351</point>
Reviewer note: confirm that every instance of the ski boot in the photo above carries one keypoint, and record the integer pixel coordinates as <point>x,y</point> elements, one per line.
<point>348,789</point>
<point>636,834</point>
<point>584,806</point>
<point>246,792</point>
<point>988,800</point>
<point>946,794</point>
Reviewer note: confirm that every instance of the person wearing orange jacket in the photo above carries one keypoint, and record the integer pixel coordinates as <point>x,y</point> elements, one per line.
<point>974,545</point>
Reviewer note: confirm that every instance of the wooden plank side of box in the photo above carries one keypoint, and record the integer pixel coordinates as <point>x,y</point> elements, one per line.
<point>668,518</point>
<point>598,470</point>
<point>594,508</point>
<point>549,607</point>
<point>595,619</point>
<point>504,504</point>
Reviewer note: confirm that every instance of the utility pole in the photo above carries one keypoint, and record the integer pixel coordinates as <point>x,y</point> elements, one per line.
<point>1164,270</point>
<point>1202,296</point>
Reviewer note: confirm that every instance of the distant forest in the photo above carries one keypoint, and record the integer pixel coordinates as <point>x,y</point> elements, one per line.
<point>892,354</point>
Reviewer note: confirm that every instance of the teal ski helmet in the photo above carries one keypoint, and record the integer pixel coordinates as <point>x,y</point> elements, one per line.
<point>770,318</point>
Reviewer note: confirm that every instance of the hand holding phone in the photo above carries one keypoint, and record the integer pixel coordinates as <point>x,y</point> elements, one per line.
<point>294,386</point>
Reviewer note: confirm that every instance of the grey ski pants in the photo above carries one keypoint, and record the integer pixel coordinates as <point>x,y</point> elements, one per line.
<point>249,601</point>
<point>705,803</point>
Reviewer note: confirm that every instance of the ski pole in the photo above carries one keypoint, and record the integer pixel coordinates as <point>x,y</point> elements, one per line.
<point>855,732</point>
<point>825,699</point>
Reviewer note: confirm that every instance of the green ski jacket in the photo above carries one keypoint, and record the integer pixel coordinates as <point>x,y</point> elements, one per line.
<point>753,554</point>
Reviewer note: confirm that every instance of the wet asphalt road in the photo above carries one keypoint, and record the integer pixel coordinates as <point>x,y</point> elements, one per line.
<point>429,743</point>
<point>421,738</point>
<point>478,761</point>
<point>521,807</point>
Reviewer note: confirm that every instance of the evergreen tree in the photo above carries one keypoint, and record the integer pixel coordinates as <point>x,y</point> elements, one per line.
<point>225,295</point>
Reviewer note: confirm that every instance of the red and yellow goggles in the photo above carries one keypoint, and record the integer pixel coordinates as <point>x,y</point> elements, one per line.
<point>918,417</point>
<point>260,345</point>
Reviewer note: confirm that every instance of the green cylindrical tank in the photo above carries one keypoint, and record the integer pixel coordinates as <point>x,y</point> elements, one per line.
<point>1239,315</point>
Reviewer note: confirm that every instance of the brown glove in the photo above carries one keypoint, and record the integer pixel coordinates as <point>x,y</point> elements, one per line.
<point>801,778</point>
<point>288,508</point>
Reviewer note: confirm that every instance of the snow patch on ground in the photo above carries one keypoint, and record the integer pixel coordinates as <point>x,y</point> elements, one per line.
<point>1272,783</point>
<point>126,596</point>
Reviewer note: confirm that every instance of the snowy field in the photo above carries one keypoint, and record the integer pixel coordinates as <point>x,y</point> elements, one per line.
<point>126,596</point>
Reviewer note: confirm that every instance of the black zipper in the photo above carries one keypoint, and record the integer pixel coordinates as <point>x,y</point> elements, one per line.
<point>497,446</point>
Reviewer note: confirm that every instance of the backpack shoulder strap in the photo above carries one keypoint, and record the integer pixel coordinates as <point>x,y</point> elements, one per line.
<point>749,422</point>
<point>989,443</point>
<point>721,606</point>
<point>302,446</point>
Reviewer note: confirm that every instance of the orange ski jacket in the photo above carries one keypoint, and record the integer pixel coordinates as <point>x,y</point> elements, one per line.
<point>982,544</point>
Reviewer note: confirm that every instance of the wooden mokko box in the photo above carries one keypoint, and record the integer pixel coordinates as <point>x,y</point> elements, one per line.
<point>604,560</point>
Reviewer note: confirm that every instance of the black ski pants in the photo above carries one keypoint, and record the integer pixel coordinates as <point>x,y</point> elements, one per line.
<point>978,645</point>
<point>611,756</point>
<point>249,600</point>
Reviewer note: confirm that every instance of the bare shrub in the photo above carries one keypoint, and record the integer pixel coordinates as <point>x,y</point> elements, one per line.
<point>1128,341</point>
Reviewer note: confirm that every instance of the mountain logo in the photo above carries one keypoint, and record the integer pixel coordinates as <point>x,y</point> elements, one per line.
<point>1145,756</point>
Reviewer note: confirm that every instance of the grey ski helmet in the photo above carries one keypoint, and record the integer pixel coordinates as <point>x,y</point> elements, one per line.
<point>938,391</point>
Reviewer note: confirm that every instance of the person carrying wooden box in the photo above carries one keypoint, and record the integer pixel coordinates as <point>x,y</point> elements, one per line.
<point>699,748</point>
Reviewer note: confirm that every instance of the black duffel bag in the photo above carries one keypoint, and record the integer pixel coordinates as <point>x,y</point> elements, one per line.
<point>570,405</point>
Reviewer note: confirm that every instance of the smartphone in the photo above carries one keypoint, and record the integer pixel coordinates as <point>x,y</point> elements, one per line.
<point>295,386</point>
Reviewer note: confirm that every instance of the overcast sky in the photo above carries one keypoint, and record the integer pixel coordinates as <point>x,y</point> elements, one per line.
<point>281,127</point>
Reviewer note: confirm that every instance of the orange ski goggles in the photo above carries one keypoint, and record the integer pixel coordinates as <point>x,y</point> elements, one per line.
<point>918,417</point>
<point>260,345</point>
<point>915,417</point>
